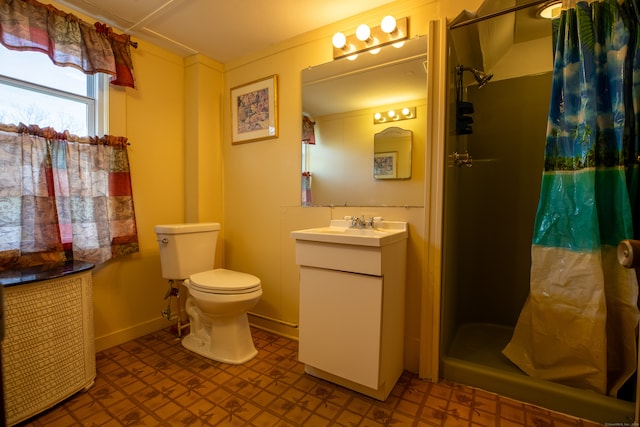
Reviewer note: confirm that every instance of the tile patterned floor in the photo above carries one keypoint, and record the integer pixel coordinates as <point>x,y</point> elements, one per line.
<point>154,381</point>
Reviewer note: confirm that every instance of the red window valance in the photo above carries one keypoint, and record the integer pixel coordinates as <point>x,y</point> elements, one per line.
<point>67,40</point>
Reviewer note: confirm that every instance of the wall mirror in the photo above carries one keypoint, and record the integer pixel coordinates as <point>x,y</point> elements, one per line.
<point>392,153</point>
<point>341,98</point>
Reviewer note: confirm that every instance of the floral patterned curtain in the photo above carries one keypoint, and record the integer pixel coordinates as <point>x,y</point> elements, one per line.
<point>308,130</point>
<point>30,25</point>
<point>59,193</point>
<point>579,324</point>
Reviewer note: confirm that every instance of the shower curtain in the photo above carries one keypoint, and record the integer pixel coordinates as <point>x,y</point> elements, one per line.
<point>578,325</point>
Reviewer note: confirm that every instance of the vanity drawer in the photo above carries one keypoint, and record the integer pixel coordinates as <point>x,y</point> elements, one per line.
<point>332,256</point>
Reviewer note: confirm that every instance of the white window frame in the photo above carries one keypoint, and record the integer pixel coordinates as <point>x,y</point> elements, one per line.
<point>96,101</point>
<point>101,102</point>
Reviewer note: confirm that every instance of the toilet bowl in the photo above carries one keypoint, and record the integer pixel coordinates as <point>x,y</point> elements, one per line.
<point>217,300</point>
<point>217,306</point>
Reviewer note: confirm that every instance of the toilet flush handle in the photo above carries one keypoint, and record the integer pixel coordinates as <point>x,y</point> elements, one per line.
<point>164,241</point>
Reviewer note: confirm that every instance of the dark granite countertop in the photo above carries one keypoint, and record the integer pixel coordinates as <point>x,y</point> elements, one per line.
<point>42,272</point>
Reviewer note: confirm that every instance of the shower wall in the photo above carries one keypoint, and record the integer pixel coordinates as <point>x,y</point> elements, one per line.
<point>490,207</point>
<point>497,197</point>
<point>489,212</point>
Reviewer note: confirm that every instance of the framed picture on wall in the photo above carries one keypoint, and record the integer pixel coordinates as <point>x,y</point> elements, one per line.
<point>254,110</point>
<point>385,165</point>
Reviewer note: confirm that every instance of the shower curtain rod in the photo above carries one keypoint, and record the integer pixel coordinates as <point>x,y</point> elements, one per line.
<point>495,14</point>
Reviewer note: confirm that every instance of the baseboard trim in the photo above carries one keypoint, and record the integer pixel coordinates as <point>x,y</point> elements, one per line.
<point>124,335</point>
<point>273,327</point>
<point>119,337</point>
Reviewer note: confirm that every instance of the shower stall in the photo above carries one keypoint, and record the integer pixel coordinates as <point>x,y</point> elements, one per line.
<point>492,187</point>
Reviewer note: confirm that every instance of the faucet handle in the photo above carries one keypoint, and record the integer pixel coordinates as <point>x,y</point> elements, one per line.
<point>357,221</point>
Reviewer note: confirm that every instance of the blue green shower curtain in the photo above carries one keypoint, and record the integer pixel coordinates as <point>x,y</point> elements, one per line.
<point>578,325</point>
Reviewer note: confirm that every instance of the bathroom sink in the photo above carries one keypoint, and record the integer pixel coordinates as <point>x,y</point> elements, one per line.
<point>340,231</point>
<point>342,267</point>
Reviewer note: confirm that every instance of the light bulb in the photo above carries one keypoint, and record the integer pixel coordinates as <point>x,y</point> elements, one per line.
<point>398,45</point>
<point>551,11</point>
<point>374,51</point>
<point>391,113</point>
<point>406,112</point>
<point>363,32</point>
<point>377,116</point>
<point>388,24</point>
<point>339,40</point>
<point>352,57</point>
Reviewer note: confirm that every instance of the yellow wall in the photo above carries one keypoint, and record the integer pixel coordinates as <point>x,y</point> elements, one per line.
<point>262,181</point>
<point>203,114</point>
<point>172,119</point>
<point>184,168</point>
<point>128,291</point>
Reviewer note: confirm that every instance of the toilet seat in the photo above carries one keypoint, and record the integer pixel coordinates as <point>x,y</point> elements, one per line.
<point>222,281</point>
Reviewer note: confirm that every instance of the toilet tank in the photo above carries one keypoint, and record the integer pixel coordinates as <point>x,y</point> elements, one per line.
<point>186,249</point>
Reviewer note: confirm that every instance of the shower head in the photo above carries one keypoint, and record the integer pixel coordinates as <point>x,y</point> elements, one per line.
<point>481,77</point>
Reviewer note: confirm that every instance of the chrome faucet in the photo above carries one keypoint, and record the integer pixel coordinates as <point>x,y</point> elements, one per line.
<point>361,222</point>
<point>357,222</point>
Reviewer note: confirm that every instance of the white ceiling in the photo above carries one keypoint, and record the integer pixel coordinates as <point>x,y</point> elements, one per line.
<point>221,30</point>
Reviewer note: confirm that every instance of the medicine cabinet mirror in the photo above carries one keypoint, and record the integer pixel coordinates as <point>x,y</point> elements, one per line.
<point>392,153</point>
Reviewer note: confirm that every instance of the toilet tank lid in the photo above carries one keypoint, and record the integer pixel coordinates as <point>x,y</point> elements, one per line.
<point>187,228</point>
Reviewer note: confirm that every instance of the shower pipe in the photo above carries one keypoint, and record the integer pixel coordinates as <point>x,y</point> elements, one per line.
<point>495,14</point>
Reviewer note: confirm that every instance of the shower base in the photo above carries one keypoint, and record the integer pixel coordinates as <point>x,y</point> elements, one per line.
<point>475,358</point>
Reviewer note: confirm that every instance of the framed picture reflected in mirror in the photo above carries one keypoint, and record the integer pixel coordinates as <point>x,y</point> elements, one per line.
<point>385,165</point>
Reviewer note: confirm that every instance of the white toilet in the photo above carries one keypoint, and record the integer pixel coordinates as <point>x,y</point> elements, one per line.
<point>218,299</point>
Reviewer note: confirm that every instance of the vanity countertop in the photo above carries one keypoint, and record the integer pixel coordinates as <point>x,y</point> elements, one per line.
<point>340,231</point>
<point>38,273</point>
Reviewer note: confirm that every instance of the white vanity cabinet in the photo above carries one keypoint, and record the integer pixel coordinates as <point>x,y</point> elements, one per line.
<point>352,311</point>
<point>340,324</point>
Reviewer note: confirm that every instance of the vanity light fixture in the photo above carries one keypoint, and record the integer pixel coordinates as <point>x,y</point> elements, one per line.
<point>339,40</point>
<point>394,116</point>
<point>390,31</point>
<point>550,10</point>
<point>363,33</point>
<point>388,24</point>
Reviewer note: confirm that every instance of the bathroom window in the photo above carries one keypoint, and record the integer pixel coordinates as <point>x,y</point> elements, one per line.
<point>33,90</point>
